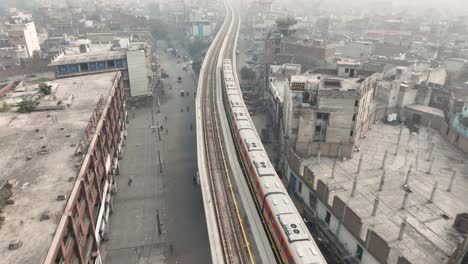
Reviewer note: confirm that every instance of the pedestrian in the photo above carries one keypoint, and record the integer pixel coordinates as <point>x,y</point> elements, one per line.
<point>165,118</point>
<point>188,108</point>
<point>191,126</point>
<point>130,180</point>
<point>194,180</point>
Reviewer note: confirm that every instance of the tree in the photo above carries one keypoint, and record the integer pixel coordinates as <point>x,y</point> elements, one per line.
<point>45,89</point>
<point>158,28</point>
<point>196,48</point>
<point>196,66</point>
<point>27,105</point>
<point>248,74</point>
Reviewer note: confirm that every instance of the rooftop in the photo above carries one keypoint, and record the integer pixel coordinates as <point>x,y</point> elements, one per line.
<point>99,53</point>
<point>38,160</point>
<point>430,236</point>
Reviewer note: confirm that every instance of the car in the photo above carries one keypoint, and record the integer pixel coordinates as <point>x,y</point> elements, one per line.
<point>237,52</point>
<point>184,68</point>
<point>178,61</point>
<point>182,93</point>
<point>179,79</point>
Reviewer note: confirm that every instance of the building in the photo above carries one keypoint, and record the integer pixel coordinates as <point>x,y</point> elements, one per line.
<point>201,29</point>
<point>22,34</point>
<point>355,50</point>
<point>134,63</point>
<point>278,80</point>
<point>327,111</point>
<point>59,163</point>
<point>400,200</point>
<point>284,45</point>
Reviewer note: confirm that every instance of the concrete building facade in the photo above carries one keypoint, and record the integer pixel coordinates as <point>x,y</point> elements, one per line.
<point>84,223</point>
<point>327,112</point>
<point>22,33</point>
<point>60,159</point>
<point>133,63</point>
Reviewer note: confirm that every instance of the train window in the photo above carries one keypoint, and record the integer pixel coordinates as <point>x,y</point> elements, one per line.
<point>327,218</point>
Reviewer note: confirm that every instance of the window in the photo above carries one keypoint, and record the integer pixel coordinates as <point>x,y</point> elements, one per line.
<point>327,218</point>
<point>351,133</point>
<point>101,65</point>
<point>346,70</point>
<point>356,103</point>
<point>354,116</point>
<point>323,116</point>
<point>299,188</point>
<point>73,68</point>
<point>317,129</point>
<point>93,66</point>
<point>359,252</point>
<point>119,63</point>
<point>111,64</point>
<point>84,67</point>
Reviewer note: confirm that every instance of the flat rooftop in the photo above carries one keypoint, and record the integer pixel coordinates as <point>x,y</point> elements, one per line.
<point>430,236</point>
<point>38,160</point>
<point>94,54</point>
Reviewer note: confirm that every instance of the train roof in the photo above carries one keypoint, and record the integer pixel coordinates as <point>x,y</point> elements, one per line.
<point>251,141</point>
<point>262,164</point>
<point>243,125</point>
<point>240,113</point>
<point>236,101</point>
<point>231,85</point>
<point>271,185</point>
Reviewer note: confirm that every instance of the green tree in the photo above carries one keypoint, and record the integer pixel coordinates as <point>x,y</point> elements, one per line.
<point>45,89</point>
<point>196,48</point>
<point>248,74</point>
<point>196,66</point>
<point>158,28</point>
<point>26,105</point>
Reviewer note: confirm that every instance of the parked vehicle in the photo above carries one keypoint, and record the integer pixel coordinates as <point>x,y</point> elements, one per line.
<point>179,79</point>
<point>182,93</point>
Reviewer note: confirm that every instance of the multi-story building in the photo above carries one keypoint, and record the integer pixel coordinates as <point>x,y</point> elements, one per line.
<point>133,62</point>
<point>22,34</point>
<point>59,167</point>
<point>327,111</point>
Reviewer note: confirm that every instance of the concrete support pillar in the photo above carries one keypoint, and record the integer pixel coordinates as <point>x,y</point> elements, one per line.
<point>431,151</point>
<point>384,161</point>
<point>318,157</point>
<point>360,164</point>
<point>399,139</point>
<point>405,200</point>
<point>376,205</point>
<point>416,162</point>
<point>431,163</point>
<point>402,229</point>
<point>353,191</point>
<point>333,169</point>
<point>452,180</point>
<point>382,181</point>
<point>434,190</point>
<point>408,174</point>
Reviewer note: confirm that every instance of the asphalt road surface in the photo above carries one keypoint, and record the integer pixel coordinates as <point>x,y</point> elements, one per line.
<point>134,235</point>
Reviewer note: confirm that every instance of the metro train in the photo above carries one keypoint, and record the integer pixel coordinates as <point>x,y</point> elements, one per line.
<point>291,237</point>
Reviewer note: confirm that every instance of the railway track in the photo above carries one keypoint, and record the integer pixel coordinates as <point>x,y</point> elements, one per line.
<point>234,243</point>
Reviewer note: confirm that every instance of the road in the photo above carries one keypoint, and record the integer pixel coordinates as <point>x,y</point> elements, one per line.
<point>133,235</point>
